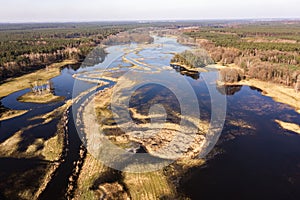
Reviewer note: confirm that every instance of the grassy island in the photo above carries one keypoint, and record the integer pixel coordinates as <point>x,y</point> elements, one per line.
<point>192,60</point>
<point>31,97</point>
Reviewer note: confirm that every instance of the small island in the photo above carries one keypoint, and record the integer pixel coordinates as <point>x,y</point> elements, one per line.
<point>41,93</point>
<point>192,60</point>
<point>32,97</point>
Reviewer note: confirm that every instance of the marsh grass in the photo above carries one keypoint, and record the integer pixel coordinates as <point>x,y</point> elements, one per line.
<point>44,98</point>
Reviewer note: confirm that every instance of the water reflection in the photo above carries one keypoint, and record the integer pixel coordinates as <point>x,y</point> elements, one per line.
<point>95,57</point>
<point>229,89</point>
<point>152,94</point>
<point>193,74</point>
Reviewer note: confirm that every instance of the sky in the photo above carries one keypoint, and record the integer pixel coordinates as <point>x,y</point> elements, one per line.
<point>116,10</point>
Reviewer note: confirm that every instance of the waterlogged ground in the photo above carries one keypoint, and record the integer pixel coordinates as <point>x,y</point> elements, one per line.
<point>256,157</point>
<point>143,83</point>
<point>255,154</point>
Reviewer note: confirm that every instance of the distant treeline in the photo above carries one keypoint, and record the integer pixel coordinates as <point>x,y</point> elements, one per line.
<point>133,36</point>
<point>269,51</point>
<point>22,51</point>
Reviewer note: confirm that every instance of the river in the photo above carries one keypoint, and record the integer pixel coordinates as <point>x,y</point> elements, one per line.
<point>257,161</point>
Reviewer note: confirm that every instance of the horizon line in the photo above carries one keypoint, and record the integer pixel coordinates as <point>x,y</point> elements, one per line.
<point>154,20</point>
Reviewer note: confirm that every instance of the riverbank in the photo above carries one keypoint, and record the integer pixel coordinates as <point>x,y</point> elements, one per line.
<point>9,114</point>
<point>104,182</point>
<point>277,92</point>
<point>289,126</point>
<point>192,69</point>
<point>43,75</point>
<point>25,81</point>
<point>46,153</point>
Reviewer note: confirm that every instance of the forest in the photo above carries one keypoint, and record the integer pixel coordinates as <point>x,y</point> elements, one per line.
<point>269,51</point>
<point>31,46</point>
<point>132,36</point>
<point>25,48</point>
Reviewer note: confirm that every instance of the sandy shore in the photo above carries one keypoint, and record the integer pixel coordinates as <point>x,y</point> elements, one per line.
<point>277,92</point>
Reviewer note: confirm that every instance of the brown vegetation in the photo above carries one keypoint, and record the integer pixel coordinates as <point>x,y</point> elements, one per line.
<point>231,75</point>
<point>289,126</point>
<point>193,59</point>
<point>8,114</point>
<point>42,98</point>
<point>275,59</point>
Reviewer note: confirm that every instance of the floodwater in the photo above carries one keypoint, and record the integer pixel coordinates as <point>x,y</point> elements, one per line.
<point>257,161</point>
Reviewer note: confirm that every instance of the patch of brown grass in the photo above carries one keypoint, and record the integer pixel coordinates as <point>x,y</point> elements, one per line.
<point>44,98</point>
<point>289,126</point>
<point>9,114</point>
<point>152,185</point>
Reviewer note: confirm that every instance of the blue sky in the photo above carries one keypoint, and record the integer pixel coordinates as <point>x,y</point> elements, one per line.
<point>100,10</point>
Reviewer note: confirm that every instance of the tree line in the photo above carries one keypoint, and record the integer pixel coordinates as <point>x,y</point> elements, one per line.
<point>22,51</point>
<point>260,50</point>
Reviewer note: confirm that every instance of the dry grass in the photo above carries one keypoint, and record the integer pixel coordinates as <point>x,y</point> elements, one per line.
<point>9,114</point>
<point>219,66</point>
<point>44,98</point>
<point>240,123</point>
<point>51,151</point>
<point>289,126</point>
<point>152,185</point>
<point>25,189</point>
<point>43,75</point>
<point>278,92</point>
<point>48,150</point>
<point>140,186</point>
<point>53,148</point>
<point>90,171</point>
<point>10,146</point>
